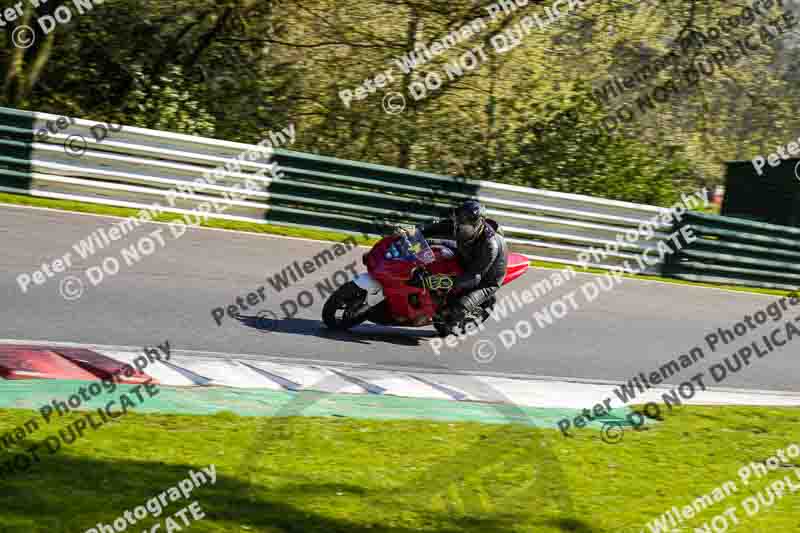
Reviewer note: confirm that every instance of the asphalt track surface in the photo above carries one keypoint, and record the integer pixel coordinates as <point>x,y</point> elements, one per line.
<point>169,295</point>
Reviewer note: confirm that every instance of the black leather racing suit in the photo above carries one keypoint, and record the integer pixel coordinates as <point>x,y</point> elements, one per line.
<point>483,260</point>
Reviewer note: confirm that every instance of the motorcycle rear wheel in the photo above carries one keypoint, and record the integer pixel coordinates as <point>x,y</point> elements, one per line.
<point>346,299</point>
<point>445,329</point>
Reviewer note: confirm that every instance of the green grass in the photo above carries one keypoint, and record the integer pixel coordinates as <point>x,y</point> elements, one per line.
<point>332,475</point>
<point>711,209</point>
<point>84,207</point>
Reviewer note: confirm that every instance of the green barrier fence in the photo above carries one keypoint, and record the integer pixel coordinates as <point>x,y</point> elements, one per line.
<point>737,251</point>
<point>135,167</point>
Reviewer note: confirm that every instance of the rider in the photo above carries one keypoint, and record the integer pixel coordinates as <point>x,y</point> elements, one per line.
<point>481,251</point>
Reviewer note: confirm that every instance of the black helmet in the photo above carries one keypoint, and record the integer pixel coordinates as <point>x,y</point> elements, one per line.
<point>469,212</point>
<point>468,220</point>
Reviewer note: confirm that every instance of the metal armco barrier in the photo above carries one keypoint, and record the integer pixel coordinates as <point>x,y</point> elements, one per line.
<point>136,167</point>
<point>736,251</point>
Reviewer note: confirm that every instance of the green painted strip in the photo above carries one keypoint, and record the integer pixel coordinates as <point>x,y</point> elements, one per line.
<point>256,402</point>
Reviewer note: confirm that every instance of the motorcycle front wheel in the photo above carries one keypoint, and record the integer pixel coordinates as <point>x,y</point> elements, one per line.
<point>337,313</point>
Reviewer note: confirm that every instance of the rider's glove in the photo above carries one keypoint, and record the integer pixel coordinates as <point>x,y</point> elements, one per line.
<point>408,231</point>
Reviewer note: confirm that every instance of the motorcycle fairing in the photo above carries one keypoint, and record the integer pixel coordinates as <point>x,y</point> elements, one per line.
<point>372,286</point>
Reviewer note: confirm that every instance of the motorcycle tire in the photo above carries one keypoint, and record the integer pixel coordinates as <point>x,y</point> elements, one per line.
<point>347,298</point>
<point>448,328</point>
<point>443,329</point>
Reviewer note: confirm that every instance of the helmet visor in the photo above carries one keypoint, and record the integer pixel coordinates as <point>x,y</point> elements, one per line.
<point>463,216</point>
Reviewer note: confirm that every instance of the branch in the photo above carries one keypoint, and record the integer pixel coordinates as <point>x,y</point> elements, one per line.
<point>298,45</point>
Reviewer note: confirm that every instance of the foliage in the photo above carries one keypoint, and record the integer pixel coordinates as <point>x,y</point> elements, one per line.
<point>240,68</point>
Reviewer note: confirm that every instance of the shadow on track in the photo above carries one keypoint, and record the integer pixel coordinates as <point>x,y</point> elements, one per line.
<point>362,334</point>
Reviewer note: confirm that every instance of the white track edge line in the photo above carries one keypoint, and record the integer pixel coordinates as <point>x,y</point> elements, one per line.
<point>404,369</point>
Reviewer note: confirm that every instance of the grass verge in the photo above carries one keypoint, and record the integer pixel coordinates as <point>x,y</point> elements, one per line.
<point>343,475</point>
<point>271,229</point>
<point>251,227</point>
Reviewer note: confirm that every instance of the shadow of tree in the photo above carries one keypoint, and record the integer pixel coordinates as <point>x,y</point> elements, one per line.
<point>66,493</point>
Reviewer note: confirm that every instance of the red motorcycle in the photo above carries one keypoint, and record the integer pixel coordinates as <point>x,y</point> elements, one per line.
<point>391,292</point>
